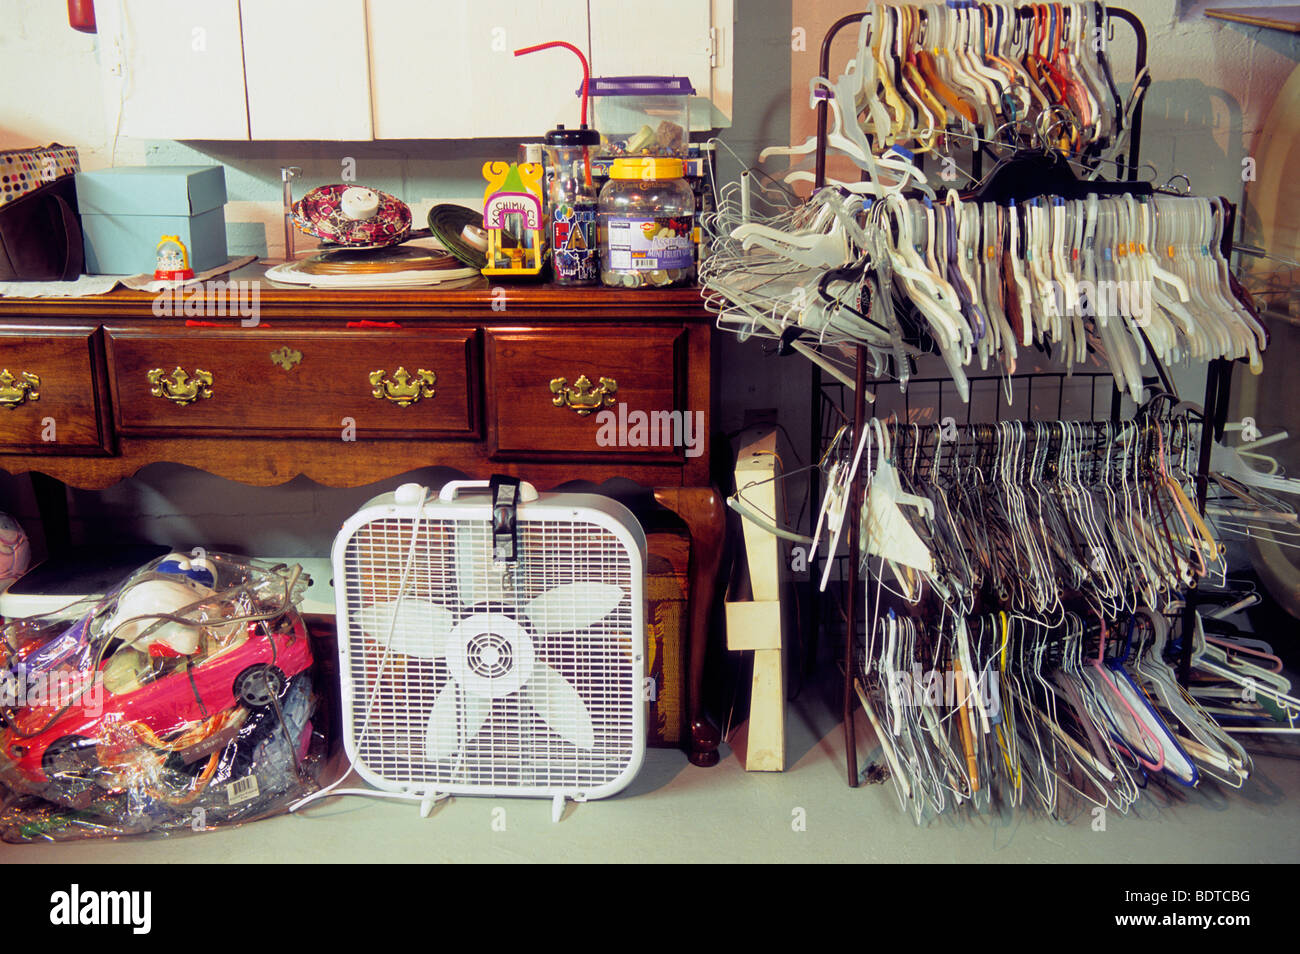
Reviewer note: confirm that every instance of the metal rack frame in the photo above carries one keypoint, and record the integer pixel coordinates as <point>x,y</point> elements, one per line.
<point>1217,389</point>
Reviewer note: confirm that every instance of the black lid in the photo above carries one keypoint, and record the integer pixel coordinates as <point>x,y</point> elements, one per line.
<point>582,136</point>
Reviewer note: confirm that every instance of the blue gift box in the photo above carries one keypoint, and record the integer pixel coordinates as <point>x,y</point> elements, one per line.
<point>127,210</point>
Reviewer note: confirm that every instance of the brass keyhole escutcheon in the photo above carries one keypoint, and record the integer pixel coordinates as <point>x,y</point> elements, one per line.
<point>286,357</point>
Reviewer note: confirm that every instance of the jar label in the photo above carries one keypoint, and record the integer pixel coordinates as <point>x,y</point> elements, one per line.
<point>650,244</point>
<point>573,243</point>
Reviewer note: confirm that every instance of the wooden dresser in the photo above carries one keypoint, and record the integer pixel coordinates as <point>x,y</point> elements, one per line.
<point>352,387</point>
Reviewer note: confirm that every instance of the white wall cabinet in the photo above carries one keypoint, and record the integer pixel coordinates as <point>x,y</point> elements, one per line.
<point>305,69</point>
<point>418,85</point>
<point>448,70</point>
<point>173,69</point>
<point>356,70</point>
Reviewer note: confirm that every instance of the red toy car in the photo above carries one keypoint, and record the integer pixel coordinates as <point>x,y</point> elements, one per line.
<point>187,706</point>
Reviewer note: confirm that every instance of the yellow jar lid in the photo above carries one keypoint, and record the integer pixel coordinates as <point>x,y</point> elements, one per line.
<point>647,167</point>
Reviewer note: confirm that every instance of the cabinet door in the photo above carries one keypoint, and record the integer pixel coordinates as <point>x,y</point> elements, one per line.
<point>689,38</point>
<point>448,70</point>
<point>421,88</point>
<point>305,63</point>
<point>173,70</point>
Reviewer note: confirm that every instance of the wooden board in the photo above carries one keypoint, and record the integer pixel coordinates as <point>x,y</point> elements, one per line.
<point>756,625</point>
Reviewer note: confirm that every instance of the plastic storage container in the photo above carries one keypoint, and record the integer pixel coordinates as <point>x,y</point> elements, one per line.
<point>571,206</point>
<point>646,223</point>
<point>642,115</point>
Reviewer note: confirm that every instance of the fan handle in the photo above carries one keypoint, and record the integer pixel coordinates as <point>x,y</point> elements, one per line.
<point>527,492</point>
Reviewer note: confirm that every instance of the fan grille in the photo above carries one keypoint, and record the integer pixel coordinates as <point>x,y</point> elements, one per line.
<point>392,694</point>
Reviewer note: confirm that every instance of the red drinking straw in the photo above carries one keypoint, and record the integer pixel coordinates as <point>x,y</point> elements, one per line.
<point>586,76</point>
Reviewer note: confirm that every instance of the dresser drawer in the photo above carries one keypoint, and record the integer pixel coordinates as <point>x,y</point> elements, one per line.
<point>552,388</point>
<point>314,383</point>
<point>52,394</point>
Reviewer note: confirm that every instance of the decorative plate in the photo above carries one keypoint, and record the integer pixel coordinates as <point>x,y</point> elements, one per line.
<point>352,216</point>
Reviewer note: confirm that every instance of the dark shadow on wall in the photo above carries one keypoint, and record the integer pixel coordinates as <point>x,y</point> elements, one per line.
<point>751,375</point>
<point>19,501</point>
<point>178,506</point>
<point>761,83</point>
<point>761,117</point>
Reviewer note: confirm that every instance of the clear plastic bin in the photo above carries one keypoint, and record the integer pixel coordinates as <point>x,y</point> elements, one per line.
<point>642,115</point>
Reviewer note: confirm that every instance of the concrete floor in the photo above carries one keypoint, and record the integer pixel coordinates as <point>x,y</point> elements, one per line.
<point>675,812</point>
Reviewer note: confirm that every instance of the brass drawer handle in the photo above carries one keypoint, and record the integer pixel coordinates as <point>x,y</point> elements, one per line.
<point>18,390</point>
<point>179,386</point>
<point>582,396</point>
<point>403,390</point>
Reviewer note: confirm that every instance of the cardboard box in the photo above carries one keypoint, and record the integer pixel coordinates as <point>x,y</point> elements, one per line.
<point>125,211</point>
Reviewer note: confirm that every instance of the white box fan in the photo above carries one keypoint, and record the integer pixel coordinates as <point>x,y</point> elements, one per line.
<point>492,642</point>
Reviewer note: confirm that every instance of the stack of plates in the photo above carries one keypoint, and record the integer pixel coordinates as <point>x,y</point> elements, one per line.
<point>398,266</point>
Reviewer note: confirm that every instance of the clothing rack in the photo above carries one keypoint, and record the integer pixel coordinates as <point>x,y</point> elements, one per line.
<point>1130,161</point>
<point>1094,381</point>
<point>1217,387</point>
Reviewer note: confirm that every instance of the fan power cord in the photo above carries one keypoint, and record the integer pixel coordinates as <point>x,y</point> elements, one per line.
<point>332,788</point>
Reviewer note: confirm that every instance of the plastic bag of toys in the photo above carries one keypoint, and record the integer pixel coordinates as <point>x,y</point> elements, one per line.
<point>181,700</point>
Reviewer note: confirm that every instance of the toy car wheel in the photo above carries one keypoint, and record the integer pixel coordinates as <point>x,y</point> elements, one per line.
<point>257,685</point>
<point>70,763</point>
